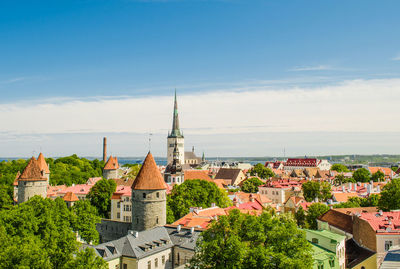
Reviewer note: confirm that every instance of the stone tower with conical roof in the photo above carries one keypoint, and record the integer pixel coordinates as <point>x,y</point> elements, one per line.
<point>149,197</point>
<point>32,181</point>
<point>175,136</point>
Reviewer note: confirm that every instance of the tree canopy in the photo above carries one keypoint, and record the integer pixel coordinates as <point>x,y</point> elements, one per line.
<point>390,196</point>
<point>100,196</point>
<point>378,176</point>
<point>261,171</point>
<point>251,185</point>
<point>39,234</point>
<point>369,201</point>
<point>362,175</point>
<point>316,189</point>
<point>73,170</point>
<point>314,211</point>
<point>340,179</point>
<point>247,241</point>
<point>84,220</point>
<point>339,168</point>
<point>194,193</point>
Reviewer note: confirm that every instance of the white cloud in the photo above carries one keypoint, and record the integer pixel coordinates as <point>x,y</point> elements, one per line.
<point>351,106</point>
<point>312,68</point>
<point>396,58</point>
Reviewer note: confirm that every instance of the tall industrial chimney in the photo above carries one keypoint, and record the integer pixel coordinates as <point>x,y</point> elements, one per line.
<point>105,149</point>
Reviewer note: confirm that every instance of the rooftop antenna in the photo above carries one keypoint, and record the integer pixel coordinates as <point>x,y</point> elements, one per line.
<point>150,134</point>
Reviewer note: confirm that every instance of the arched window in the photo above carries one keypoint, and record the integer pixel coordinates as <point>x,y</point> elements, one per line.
<point>144,195</point>
<point>158,195</point>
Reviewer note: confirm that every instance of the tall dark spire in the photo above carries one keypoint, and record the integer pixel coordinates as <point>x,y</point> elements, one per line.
<point>176,132</point>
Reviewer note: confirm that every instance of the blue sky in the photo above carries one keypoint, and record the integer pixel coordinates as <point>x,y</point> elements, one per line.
<point>55,52</point>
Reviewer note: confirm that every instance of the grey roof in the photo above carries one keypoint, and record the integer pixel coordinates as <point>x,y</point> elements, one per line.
<point>356,254</point>
<point>148,243</point>
<point>185,238</point>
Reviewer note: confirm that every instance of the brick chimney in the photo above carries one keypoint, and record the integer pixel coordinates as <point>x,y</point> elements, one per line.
<point>105,149</point>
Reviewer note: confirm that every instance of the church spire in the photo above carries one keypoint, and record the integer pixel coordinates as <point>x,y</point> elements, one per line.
<point>176,132</point>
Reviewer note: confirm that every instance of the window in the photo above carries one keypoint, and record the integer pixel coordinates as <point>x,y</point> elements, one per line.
<point>158,195</point>
<point>119,205</point>
<point>118,215</point>
<point>156,262</point>
<point>149,265</point>
<point>157,220</point>
<point>125,266</point>
<point>163,259</point>
<point>320,266</point>
<point>144,195</point>
<point>332,263</point>
<point>388,244</point>
<point>314,240</point>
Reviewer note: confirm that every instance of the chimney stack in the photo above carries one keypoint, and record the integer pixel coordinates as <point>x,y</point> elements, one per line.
<point>105,149</point>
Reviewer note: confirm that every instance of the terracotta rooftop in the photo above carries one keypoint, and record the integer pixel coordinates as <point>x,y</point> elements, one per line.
<point>341,218</point>
<point>197,174</point>
<point>387,171</point>
<point>383,222</point>
<point>149,177</point>
<point>111,164</point>
<point>70,197</point>
<point>343,196</point>
<point>42,164</point>
<point>16,178</point>
<point>32,172</point>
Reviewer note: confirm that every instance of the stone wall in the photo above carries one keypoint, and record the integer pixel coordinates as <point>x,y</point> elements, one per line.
<point>149,209</point>
<point>28,189</point>
<point>111,174</point>
<point>111,230</point>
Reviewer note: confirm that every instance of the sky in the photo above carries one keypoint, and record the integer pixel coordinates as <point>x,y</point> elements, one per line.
<point>254,78</point>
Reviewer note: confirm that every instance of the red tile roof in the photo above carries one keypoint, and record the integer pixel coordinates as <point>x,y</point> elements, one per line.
<point>42,164</point>
<point>32,172</point>
<point>302,162</point>
<point>387,222</point>
<point>341,218</point>
<point>149,177</point>
<point>197,174</point>
<point>387,171</point>
<point>112,163</point>
<point>70,197</point>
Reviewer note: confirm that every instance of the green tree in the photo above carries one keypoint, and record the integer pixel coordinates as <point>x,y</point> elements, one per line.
<point>316,189</point>
<point>311,190</point>
<point>86,259</point>
<point>84,221</point>
<point>47,225</point>
<point>247,241</point>
<point>362,175</point>
<point>6,199</point>
<point>378,176</point>
<point>314,211</point>
<point>194,193</point>
<point>390,196</point>
<point>261,171</point>
<point>251,185</point>
<point>369,201</point>
<point>100,196</point>
<point>300,216</point>
<point>339,168</point>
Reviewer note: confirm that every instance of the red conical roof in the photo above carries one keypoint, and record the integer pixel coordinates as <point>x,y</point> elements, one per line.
<point>70,197</point>
<point>111,164</point>
<point>42,163</point>
<point>149,177</point>
<point>32,171</point>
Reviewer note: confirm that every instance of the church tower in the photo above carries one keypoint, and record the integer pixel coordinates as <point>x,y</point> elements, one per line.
<point>175,136</point>
<point>173,173</point>
<point>149,197</point>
